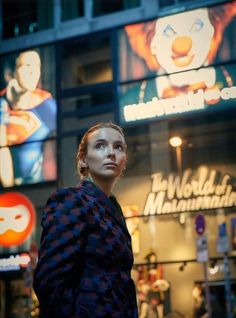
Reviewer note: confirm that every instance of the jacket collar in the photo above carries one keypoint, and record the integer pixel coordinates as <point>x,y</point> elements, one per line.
<point>93,190</point>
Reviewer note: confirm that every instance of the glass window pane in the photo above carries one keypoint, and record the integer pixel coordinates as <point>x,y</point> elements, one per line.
<point>91,102</point>
<point>74,124</point>
<point>86,62</point>
<point>138,152</point>
<point>68,171</point>
<point>166,3</point>
<point>101,7</point>
<point>26,16</point>
<point>205,140</point>
<point>71,9</point>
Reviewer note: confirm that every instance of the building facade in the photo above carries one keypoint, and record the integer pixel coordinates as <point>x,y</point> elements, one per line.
<point>165,71</point>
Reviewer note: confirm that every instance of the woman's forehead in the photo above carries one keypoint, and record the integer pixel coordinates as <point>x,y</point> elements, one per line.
<point>106,133</point>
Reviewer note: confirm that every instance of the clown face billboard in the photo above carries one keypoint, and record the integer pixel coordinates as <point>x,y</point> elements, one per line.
<point>177,64</point>
<point>17,219</point>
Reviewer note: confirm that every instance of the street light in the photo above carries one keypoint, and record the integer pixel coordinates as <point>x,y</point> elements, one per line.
<point>176,142</point>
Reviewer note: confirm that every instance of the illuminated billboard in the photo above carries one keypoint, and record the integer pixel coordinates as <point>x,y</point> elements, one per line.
<point>17,215</point>
<point>177,64</point>
<point>28,116</point>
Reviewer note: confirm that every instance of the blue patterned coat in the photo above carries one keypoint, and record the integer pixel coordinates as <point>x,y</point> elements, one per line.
<point>85,257</point>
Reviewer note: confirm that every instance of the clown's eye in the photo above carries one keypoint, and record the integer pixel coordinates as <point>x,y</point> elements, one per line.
<point>197,26</point>
<point>169,31</point>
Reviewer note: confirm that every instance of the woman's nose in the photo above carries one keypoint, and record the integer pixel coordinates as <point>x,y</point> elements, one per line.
<point>111,151</point>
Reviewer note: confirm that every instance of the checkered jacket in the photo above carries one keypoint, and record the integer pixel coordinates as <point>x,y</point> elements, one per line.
<point>85,257</point>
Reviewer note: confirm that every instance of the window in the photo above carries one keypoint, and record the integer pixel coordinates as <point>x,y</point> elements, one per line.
<point>71,9</point>
<point>71,125</point>
<point>166,3</point>
<point>26,16</point>
<point>86,61</point>
<point>78,109</point>
<point>205,140</point>
<point>101,7</point>
<point>138,154</point>
<point>88,103</point>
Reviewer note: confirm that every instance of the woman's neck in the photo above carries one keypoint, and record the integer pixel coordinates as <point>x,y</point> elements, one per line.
<point>105,185</point>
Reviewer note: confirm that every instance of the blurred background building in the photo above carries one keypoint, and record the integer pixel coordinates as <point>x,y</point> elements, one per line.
<point>165,70</point>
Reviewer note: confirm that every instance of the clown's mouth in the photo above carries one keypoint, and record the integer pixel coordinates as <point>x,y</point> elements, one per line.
<point>181,61</point>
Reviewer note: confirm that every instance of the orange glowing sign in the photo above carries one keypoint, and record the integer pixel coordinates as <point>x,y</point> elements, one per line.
<point>17,219</point>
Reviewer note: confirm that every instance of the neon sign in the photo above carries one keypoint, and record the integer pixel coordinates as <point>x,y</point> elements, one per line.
<point>179,104</point>
<point>14,262</point>
<point>190,192</point>
<point>17,219</point>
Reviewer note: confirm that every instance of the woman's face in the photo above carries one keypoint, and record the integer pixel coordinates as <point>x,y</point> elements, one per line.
<point>106,154</point>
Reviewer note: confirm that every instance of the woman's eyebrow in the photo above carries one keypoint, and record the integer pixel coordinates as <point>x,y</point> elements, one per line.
<point>119,142</point>
<point>100,140</point>
<point>105,140</point>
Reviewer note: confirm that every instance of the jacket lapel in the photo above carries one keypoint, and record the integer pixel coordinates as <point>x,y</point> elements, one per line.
<point>104,201</point>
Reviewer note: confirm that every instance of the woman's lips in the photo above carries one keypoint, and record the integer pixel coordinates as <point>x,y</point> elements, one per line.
<point>113,164</point>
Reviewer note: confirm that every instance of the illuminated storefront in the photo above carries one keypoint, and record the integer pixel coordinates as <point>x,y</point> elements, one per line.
<point>177,79</point>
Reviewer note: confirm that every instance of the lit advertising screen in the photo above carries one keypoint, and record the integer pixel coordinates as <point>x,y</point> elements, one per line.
<point>18,218</point>
<point>178,64</point>
<point>28,116</point>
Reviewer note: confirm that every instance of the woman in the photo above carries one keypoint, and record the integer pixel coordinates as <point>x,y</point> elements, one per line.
<point>85,256</point>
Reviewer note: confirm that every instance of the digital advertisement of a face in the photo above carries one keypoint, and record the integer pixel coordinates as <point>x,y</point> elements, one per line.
<point>28,113</point>
<point>179,63</point>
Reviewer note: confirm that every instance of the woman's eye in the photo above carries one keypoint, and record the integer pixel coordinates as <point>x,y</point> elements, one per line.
<point>100,146</point>
<point>120,147</point>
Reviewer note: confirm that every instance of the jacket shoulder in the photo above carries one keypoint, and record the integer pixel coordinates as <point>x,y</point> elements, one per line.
<point>66,193</point>
<point>63,201</point>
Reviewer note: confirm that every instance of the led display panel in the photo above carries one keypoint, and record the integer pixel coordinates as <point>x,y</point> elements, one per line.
<point>28,116</point>
<point>177,64</point>
<point>28,163</point>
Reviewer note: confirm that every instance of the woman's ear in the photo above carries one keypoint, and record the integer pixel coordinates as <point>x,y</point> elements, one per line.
<point>83,163</point>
